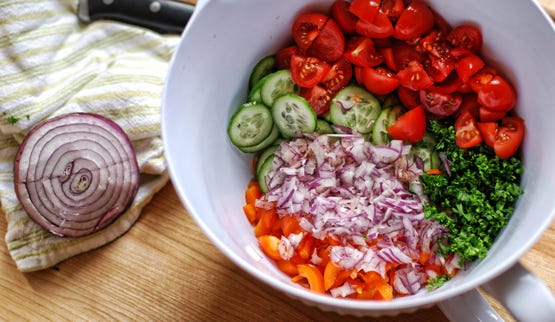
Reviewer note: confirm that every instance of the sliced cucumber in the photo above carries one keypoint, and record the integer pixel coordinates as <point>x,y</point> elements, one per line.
<point>293,114</point>
<point>323,127</point>
<point>277,84</point>
<point>265,154</point>
<point>263,172</point>
<point>355,107</point>
<point>425,150</point>
<point>387,117</point>
<point>250,125</point>
<point>264,67</point>
<point>269,140</point>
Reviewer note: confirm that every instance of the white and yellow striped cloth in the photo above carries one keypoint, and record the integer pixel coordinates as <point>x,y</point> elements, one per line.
<point>52,64</point>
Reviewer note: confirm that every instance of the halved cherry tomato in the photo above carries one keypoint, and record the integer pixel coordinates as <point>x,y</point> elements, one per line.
<point>469,104</point>
<point>410,126</point>
<point>487,115</point>
<point>283,56</point>
<point>306,28</point>
<point>404,54</point>
<point>409,98</point>
<point>389,58</point>
<point>381,27</point>
<point>439,68</point>
<point>468,66</point>
<point>451,84</point>
<point>365,9</point>
<point>414,76</point>
<point>494,92</point>
<point>466,36</point>
<point>466,132</point>
<point>329,44</point>
<point>345,19</point>
<point>339,76</point>
<point>440,104</point>
<point>308,71</point>
<point>379,80</point>
<point>509,136</point>
<point>318,97</point>
<point>392,8</point>
<point>440,23</point>
<point>488,130</point>
<point>414,21</point>
<point>362,52</point>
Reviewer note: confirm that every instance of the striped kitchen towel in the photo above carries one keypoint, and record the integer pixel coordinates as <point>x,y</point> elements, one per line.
<point>52,64</point>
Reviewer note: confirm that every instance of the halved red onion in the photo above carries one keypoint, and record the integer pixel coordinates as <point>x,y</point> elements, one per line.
<point>76,173</point>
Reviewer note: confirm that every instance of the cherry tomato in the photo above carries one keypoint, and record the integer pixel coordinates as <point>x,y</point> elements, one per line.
<point>365,9</point>
<point>487,115</point>
<point>381,27</point>
<point>409,98</point>
<point>411,126</point>
<point>440,23</point>
<point>308,71</point>
<point>509,136</point>
<point>440,104</point>
<point>379,80</point>
<point>345,19</point>
<point>466,132</point>
<point>404,54</point>
<point>414,76</point>
<point>494,92</point>
<point>339,76</point>
<point>468,66</point>
<point>329,44</point>
<point>318,97</point>
<point>306,28</point>
<point>451,84</point>
<point>469,104</point>
<point>439,68</point>
<point>488,130</point>
<point>362,52</point>
<point>388,57</point>
<point>392,8</point>
<point>414,21</point>
<point>467,37</point>
<point>283,56</point>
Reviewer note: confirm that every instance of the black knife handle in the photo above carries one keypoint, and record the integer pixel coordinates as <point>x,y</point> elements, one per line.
<point>164,16</point>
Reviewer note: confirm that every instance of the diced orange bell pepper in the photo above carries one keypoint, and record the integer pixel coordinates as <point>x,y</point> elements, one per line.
<point>330,274</point>
<point>270,246</point>
<point>253,192</point>
<point>251,213</point>
<point>313,276</point>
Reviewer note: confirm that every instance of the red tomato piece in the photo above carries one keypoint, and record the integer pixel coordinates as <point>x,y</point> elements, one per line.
<point>468,66</point>
<point>404,54</point>
<point>306,28</point>
<point>308,71</point>
<point>451,84</point>
<point>388,57</point>
<point>362,52</point>
<point>329,44</point>
<point>318,97</point>
<point>494,92</point>
<point>414,77</point>
<point>414,21</point>
<point>440,104</point>
<point>345,19</point>
<point>466,36</point>
<point>466,132</point>
<point>487,115</point>
<point>488,130</point>
<point>339,76</point>
<point>469,104</point>
<point>411,126</point>
<point>509,136</point>
<point>283,56</point>
<point>439,68</point>
<point>365,9</point>
<point>392,8</point>
<point>379,80</point>
<point>409,98</point>
<point>381,27</point>
<point>357,71</point>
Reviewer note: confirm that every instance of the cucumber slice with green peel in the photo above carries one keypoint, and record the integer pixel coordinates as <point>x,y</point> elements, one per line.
<point>269,140</point>
<point>430,158</point>
<point>263,172</point>
<point>263,67</point>
<point>323,127</point>
<point>387,117</point>
<point>356,108</point>
<point>277,84</point>
<point>293,114</point>
<point>250,125</point>
<point>265,154</point>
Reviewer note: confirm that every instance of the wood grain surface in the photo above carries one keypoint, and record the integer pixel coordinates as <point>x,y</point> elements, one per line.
<point>165,269</point>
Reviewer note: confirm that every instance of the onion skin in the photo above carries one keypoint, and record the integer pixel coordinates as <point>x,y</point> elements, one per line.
<point>76,173</point>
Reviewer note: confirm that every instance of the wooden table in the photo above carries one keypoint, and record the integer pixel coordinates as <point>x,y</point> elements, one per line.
<point>164,269</point>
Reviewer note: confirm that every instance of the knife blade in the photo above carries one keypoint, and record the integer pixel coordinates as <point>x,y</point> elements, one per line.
<point>164,16</point>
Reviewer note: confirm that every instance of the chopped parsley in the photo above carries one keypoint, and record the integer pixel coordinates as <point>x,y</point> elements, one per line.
<point>437,281</point>
<point>475,198</point>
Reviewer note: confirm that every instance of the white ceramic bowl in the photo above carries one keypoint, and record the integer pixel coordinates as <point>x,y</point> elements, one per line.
<point>208,80</point>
